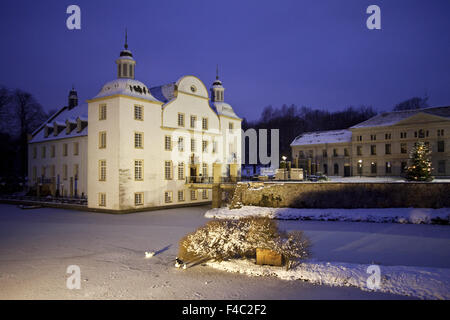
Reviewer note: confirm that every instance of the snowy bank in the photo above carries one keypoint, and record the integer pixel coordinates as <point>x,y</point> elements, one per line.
<point>423,283</point>
<point>398,215</point>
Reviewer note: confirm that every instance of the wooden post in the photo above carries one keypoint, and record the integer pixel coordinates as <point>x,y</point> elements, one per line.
<point>216,196</point>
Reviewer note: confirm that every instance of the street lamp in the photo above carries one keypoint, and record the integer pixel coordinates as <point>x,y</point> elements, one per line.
<point>360,167</point>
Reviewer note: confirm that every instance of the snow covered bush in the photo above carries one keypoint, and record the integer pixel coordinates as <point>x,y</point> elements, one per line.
<point>226,239</point>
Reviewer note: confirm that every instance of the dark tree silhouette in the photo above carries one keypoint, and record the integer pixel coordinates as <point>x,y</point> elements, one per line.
<point>413,103</point>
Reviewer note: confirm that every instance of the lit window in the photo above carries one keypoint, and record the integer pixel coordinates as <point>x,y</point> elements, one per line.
<point>168,143</point>
<point>102,112</point>
<point>102,199</point>
<point>205,146</point>
<point>181,171</point>
<point>180,144</point>
<point>181,195</point>
<point>138,140</point>
<point>102,140</point>
<point>193,121</point>
<point>205,194</point>
<point>138,113</point>
<point>168,170</point>
<point>138,170</point>
<point>193,194</point>
<point>138,198</point>
<point>102,170</point>
<point>205,169</point>
<point>192,145</point>
<point>205,123</point>
<point>168,197</point>
<point>180,119</point>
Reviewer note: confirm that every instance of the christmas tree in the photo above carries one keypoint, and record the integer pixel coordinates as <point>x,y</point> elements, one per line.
<point>420,163</point>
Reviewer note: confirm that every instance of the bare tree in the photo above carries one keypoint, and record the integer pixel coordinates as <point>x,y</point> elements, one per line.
<point>5,99</point>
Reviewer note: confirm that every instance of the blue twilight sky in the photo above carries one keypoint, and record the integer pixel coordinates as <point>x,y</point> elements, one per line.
<point>316,53</point>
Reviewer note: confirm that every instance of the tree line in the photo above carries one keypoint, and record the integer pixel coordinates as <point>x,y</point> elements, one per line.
<point>20,115</point>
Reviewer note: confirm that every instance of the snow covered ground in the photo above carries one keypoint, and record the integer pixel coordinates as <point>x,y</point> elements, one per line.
<point>398,215</point>
<point>423,283</point>
<point>37,246</point>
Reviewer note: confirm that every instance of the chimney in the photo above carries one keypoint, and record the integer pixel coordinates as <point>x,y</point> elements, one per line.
<point>73,98</point>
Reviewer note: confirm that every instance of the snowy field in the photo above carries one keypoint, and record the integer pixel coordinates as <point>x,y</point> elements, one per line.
<point>397,215</point>
<point>37,246</point>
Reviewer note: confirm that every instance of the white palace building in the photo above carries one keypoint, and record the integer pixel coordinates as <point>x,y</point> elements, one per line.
<point>144,147</point>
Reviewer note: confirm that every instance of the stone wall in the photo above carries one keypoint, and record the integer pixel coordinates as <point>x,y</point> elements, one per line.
<point>345,195</point>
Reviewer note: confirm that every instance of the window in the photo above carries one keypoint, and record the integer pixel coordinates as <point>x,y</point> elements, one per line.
<point>387,148</point>
<point>75,171</point>
<point>168,143</point>
<point>138,113</point>
<point>440,146</point>
<point>193,121</point>
<point>180,144</point>
<point>205,146</point>
<point>138,198</point>
<point>336,169</point>
<point>441,166</point>
<point>180,195</point>
<point>34,152</point>
<point>403,135</point>
<point>358,138</point>
<point>102,170</point>
<point>102,140</point>
<point>52,171</point>
<point>43,152</point>
<point>75,148</point>
<point>205,194</point>
<point>335,153</point>
<point>403,166</point>
<point>168,197</point>
<point>34,173</point>
<point>181,119</point>
<point>387,136</point>
<point>440,132</point>
<point>168,170</point>
<point>403,148</point>
<point>64,171</point>
<point>43,171</point>
<point>388,167</point>
<point>373,168</point>
<point>65,149</point>
<point>205,123</point>
<point>214,146</point>
<point>324,153</point>
<point>231,126</point>
<point>138,170</point>
<point>102,112</point>
<point>53,151</point>
<point>102,199</point>
<point>325,168</point>
<point>373,149</point>
<point>181,171</point>
<point>138,140</point>
<point>193,194</point>
<point>346,152</point>
<point>193,145</point>
<point>204,169</point>
<point>359,150</point>
<point>373,137</point>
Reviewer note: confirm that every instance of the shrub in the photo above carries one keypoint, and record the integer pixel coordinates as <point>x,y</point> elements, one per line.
<point>227,239</point>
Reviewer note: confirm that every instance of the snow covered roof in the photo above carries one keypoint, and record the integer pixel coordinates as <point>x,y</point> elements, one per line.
<point>224,109</point>
<point>164,93</point>
<point>392,118</point>
<point>60,118</point>
<point>128,87</point>
<point>319,137</point>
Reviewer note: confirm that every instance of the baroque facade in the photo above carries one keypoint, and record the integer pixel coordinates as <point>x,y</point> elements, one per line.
<point>145,147</point>
<point>379,146</point>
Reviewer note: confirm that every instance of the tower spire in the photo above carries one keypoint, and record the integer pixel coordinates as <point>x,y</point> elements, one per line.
<point>217,71</point>
<point>126,39</point>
